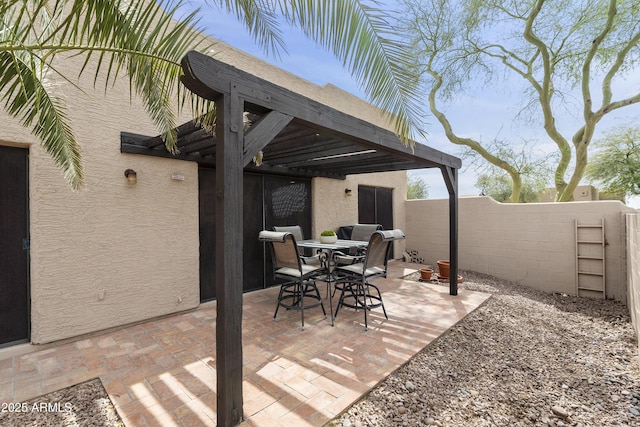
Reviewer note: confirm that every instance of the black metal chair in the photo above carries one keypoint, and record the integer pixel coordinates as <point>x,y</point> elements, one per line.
<point>296,230</point>
<point>299,283</point>
<point>361,232</point>
<point>354,282</point>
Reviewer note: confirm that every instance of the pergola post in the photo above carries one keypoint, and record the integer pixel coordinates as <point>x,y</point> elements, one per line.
<point>229,232</point>
<point>450,175</point>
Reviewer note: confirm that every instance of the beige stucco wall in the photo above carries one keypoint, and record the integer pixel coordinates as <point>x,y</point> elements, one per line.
<point>328,94</point>
<point>111,254</point>
<point>582,193</point>
<point>533,244</point>
<point>108,254</point>
<point>633,267</point>
<point>332,208</point>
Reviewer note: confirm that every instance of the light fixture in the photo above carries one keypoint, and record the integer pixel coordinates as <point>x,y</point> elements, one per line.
<point>132,176</point>
<point>347,191</point>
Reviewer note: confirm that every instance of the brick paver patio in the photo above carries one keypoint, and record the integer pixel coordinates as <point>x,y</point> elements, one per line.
<point>163,372</point>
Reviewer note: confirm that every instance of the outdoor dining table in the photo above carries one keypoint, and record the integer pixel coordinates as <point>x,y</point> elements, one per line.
<point>329,249</point>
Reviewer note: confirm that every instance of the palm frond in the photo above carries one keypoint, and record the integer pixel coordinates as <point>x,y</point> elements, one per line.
<point>137,37</point>
<point>29,96</point>
<point>260,20</point>
<point>363,36</point>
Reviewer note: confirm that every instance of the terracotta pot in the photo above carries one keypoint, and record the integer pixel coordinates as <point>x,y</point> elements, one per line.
<point>426,273</point>
<point>443,269</point>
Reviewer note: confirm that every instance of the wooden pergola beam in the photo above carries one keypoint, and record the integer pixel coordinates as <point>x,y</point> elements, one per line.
<point>229,268</point>
<point>205,75</point>
<point>230,89</point>
<point>263,132</point>
<point>450,176</point>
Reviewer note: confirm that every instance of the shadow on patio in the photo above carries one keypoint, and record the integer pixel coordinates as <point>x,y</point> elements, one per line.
<point>162,372</point>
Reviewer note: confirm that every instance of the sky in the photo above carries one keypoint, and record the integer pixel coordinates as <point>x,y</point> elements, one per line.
<point>477,116</point>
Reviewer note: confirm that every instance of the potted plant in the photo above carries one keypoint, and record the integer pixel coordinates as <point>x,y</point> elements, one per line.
<point>426,273</point>
<point>443,269</point>
<point>328,236</point>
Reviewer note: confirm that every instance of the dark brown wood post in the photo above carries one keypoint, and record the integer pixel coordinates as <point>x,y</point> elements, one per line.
<point>229,232</point>
<point>450,175</point>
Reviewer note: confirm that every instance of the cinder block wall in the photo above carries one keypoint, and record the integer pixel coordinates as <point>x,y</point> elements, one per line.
<point>532,244</point>
<point>633,267</point>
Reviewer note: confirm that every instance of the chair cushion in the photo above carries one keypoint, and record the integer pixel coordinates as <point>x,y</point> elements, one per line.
<point>293,272</point>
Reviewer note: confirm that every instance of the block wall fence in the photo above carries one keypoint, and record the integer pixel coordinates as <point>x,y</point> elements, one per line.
<point>533,244</point>
<point>633,268</point>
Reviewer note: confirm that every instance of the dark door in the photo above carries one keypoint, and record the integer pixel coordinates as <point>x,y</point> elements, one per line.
<point>375,206</point>
<point>14,244</point>
<point>268,200</point>
<point>207,208</point>
<point>253,252</point>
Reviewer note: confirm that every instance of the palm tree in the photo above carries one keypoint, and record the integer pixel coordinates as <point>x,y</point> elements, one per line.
<point>143,39</point>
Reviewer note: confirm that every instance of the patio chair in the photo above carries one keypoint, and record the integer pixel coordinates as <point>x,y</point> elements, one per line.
<point>361,232</point>
<point>299,283</point>
<point>356,289</point>
<point>296,230</point>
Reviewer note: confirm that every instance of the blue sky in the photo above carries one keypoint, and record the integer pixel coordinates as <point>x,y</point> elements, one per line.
<point>477,116</point>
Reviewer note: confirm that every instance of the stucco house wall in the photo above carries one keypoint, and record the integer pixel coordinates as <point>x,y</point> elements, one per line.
<point>333,208</point>
<point>533,243</point>
<point>112,254</point>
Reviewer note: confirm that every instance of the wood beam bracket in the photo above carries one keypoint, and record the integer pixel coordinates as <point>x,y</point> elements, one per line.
<point>262,133</point>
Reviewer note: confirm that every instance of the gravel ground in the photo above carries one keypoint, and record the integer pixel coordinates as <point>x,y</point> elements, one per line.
<point>84,404</point>
<point>525,358</point>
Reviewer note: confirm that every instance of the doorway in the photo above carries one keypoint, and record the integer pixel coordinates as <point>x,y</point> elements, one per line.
<point>14,246</point>
<point>375,206</point>
<point>268,200</point>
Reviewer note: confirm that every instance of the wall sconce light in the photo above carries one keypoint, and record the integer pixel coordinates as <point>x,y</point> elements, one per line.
<point>347,192</point>
<point>132,176</point>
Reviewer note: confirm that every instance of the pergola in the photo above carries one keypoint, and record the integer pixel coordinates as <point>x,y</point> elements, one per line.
<point>298,136</point>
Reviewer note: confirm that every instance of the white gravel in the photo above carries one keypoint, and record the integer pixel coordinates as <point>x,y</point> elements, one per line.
<point>82,405</point>
<point>525,358</point>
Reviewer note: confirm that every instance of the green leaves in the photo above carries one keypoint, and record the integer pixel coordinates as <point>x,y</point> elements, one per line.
<point>138,38</point>
<point>616,164</point>
<point>366,40</point>
<point>30,96</point>
<point>364,37</point>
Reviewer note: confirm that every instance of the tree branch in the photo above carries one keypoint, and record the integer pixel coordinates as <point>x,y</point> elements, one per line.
<point>474,145</point>
<point>545,98</point>
<point>615,67</point>
<point>586,67</point>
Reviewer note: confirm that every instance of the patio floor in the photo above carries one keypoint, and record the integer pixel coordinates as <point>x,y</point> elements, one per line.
<point>162,372</point>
